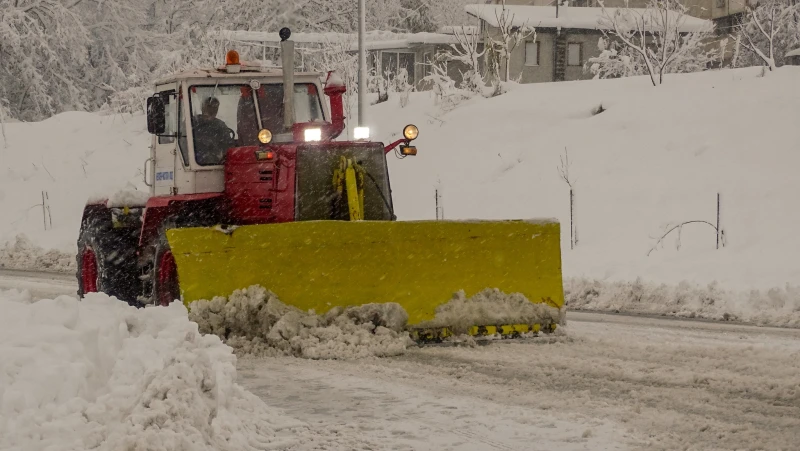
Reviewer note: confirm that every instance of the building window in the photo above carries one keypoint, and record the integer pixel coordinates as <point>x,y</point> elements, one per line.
<point>392,62</point>
<point>427,63</point>
<point>574,56</point>
<point>532,53</point>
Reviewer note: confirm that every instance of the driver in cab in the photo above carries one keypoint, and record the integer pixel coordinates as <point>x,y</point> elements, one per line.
<point>212,136</point>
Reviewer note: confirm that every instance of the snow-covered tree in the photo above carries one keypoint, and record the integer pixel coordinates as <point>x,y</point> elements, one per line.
<point>469,52</point>
<point>506,39</point>
<point>43,55</point>
<point>653,41</point>
<point>770,29</point>
<point>59,55</point>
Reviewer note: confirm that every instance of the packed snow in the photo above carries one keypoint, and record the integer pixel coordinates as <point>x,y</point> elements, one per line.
<point>255,322</point>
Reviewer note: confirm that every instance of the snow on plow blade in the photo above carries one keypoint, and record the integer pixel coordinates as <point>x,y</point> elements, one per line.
<point>418,264</point>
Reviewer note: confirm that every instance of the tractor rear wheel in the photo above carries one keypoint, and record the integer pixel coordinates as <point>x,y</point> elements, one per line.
<point>107,260</point>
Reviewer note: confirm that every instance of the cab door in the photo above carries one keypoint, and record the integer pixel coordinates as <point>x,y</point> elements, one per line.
<point>163,153</point>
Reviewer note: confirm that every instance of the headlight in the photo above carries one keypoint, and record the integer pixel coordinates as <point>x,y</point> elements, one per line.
<point>411,132</point>
<point>361,133</point>
<point>265,136</point>
<point>313,134</point>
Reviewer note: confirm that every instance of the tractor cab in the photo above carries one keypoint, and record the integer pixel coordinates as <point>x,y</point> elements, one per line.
<point>196,117</point>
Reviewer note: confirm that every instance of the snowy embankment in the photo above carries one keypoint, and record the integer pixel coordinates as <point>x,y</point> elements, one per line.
<point>61,162</point>
<point>774,307</point>
<point>654,157</point>
<point>99,374</point>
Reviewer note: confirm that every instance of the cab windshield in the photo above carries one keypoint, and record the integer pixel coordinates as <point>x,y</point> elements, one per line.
<point>224,116</point>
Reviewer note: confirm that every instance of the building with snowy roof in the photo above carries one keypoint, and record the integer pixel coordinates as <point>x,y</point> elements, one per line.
<point>388,53</point>
<point>793,57</point>
<point>565,38</point>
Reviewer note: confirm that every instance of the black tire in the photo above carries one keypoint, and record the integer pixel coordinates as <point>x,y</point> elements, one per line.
<point>115,258</point>
<point>162,292</point>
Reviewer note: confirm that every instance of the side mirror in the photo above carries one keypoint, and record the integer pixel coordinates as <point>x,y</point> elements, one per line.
<point>156,115</point>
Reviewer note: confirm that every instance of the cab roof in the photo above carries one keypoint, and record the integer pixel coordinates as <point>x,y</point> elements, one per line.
<point>246,74</point>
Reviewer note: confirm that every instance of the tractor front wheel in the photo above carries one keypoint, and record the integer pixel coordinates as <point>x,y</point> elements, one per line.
<point>166,287</point>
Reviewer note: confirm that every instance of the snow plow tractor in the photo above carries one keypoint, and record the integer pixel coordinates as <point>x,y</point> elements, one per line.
<point>248,185</point>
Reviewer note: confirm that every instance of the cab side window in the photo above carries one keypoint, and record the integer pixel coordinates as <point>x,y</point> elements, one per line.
<point>170,116</point>
<point>182,142</point>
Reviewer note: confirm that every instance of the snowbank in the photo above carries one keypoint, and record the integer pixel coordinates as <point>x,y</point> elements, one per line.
<point>26,255</point>
<point>255,322</point>
<point>774,307</point>
<point>98,374</point>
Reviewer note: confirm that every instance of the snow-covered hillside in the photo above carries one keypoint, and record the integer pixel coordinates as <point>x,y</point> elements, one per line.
<point>71,157</point>
<point>654,156</point>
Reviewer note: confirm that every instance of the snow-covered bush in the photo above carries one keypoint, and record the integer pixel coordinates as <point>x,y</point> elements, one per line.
<point>447,94</point>
<point>614,61</point>
<point>652,41</point>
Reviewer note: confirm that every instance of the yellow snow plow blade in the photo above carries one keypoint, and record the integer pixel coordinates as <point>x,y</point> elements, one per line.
<point>418,264</point>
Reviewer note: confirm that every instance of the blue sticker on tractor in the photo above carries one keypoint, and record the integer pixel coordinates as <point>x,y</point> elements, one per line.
<point>161,176</point>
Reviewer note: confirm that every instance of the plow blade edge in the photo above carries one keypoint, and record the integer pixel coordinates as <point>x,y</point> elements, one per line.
<point>418,264</point>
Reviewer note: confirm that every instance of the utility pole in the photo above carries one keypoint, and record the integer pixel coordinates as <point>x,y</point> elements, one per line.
<point>362,62</point>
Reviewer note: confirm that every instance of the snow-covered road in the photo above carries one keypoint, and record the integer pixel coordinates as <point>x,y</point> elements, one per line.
<point>615,382</point>
<point>40,284</point>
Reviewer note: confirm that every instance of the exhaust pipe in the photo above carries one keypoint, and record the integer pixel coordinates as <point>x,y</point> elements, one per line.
<point>287,61</point>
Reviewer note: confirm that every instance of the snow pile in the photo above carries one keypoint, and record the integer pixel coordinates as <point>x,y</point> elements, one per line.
<point>774,307</point>
<point>254,321</point>
<point>99,374</point>
<point>25,255</point>
<point>491,307</point>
